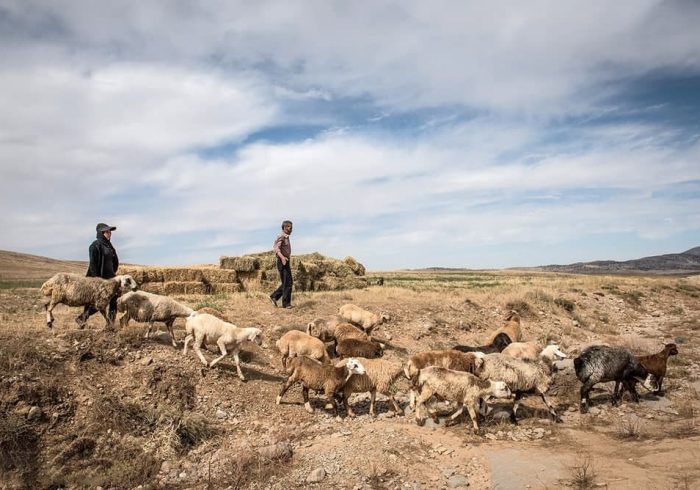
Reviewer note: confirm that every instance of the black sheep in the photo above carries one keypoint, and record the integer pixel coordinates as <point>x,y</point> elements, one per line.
<point>600,363</point>
<point>500,342</point>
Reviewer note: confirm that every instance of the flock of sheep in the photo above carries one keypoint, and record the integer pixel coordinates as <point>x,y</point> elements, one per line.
<point>505,367</point>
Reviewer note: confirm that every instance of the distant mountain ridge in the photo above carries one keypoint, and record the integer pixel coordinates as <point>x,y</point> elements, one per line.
<point>685,262</point>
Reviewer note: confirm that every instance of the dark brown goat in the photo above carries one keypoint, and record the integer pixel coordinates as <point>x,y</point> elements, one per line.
<point>500,342</point>
<point>656,363</point>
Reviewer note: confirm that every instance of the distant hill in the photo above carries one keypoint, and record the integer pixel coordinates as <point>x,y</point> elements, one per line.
<point>687,262</point>
<point>21,268</point>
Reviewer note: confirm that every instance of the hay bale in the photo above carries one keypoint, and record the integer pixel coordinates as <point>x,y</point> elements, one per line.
<point>152,287</point>
<point>245,263</point>
<point>136,272</point>
<point>181,274</point>
<point>357,268</point>
<point>174,287</point>
<point>215,276</point>
<point>226,287</point>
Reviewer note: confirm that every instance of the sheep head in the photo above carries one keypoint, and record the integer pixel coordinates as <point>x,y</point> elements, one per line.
<point>552,353</point>
<point>671,349</point>
<point>255,335</point>
<point>354,366</point>
<point>499,389</point>
<point>126,283</point>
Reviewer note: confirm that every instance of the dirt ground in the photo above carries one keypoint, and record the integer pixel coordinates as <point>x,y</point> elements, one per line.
<point>90,408</point>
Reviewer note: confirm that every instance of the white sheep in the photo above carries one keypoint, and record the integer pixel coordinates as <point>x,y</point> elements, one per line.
<point>530,351</point>
<point>367,320</point>
<point>520,376</point>
<point>206,328</point>
<point>319,377</point>
<point>296,343</point>
<point>458,386</point>
<point>381,376</point>
<point>148,307</point>
<point>77,290</point>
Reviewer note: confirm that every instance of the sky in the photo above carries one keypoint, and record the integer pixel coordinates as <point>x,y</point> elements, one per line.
<point>406,133</point>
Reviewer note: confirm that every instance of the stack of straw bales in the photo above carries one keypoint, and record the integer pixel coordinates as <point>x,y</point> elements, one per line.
<point>184,280</point>
<point>311,272</point>
<point>255,272</point>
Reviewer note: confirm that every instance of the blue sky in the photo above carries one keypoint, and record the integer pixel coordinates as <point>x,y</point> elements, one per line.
<point>406,134</point>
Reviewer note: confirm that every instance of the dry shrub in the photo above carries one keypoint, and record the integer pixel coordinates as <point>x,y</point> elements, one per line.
<point>170,431</point>
<point>630,429</point>
<point>566,304</point>
<point>521,306</point>
<point>17,354</point>
<point>19,447</point>
<point>175,387</point>
<point>583,473</point>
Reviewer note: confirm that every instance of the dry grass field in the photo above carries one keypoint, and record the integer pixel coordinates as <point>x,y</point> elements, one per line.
<point>89,408</point>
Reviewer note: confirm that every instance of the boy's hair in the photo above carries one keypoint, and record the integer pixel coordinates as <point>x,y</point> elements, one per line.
<point>285,223</point>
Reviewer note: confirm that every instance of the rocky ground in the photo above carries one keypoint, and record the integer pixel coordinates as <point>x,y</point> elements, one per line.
<point>89,408</point>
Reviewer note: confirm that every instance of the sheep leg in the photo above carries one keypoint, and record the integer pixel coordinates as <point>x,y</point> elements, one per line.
<point>412,399</point>
<point>397,407</point>
<point>585,390</point>
<point>124,320</point>
<point>456,415</point>
<point>630,385</point>
<point>238,366</point>
<point>617,393</point>
<point>188,339</point>
<point>346,402</point>
<point>330,402</point>
<point>473,415</point>
<point>516,404</point>
<point>290,381</point>
<point>109,325</point>
<point>49,315</point>
<point>307,404</point>
<point>148,331</point>
<point>222,348</point>
<point>550,407</point>
<point>372,398</point>
<point>423,397</point>
<point>169,326</point>
<point>658,389</point>
<point>197,346</point>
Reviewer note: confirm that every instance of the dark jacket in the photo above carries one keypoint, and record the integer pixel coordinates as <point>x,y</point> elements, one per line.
<point>103,259</point>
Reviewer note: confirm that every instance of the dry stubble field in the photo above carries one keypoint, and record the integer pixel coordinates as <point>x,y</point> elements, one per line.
<point>88,408</point>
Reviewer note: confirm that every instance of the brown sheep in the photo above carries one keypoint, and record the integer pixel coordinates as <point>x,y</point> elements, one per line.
<point>358,348</point>
<point>656,363</point>
<point>511,327</point>
<point>449,359</point>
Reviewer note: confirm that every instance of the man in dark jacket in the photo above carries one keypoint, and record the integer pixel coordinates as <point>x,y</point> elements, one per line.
<point>283,253</point>
<point>103,263</point>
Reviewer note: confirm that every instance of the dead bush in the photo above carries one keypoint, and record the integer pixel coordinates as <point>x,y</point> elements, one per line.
<point>19,446</point>
<point>629,429</point>
<point>582,473</point>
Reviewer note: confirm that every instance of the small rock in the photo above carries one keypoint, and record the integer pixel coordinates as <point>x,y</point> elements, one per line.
<point>220,414</point>
<point>680,340</point>
<point>146,361</point>
<point>457,481</point>
<point>575,323</point>
<point>182,475</point>
<point>448,472</point>
<point>316,476</point>
<point>34,413</point>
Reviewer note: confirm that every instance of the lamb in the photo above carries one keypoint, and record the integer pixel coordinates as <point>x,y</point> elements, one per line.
<point>450,359</point>
<point>380,376</point>
<point>511,327</point>
<point>206,328</point>
<point>461,387</point>
<point>656,363</point>
<point>77,290</point>
<point>328,331</point>
<point>530,351</point>
<point>324,329</point>
<point>358,348</point>
<point>601,363</point>
<point>319,377</point>
<point>295,343</point>
<point>367,320</point>
<point>500,342</point>
<point>521,377</point>
<point>148,307</point>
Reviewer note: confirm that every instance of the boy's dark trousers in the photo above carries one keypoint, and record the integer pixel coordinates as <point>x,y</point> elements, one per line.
<point>285,289</point>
